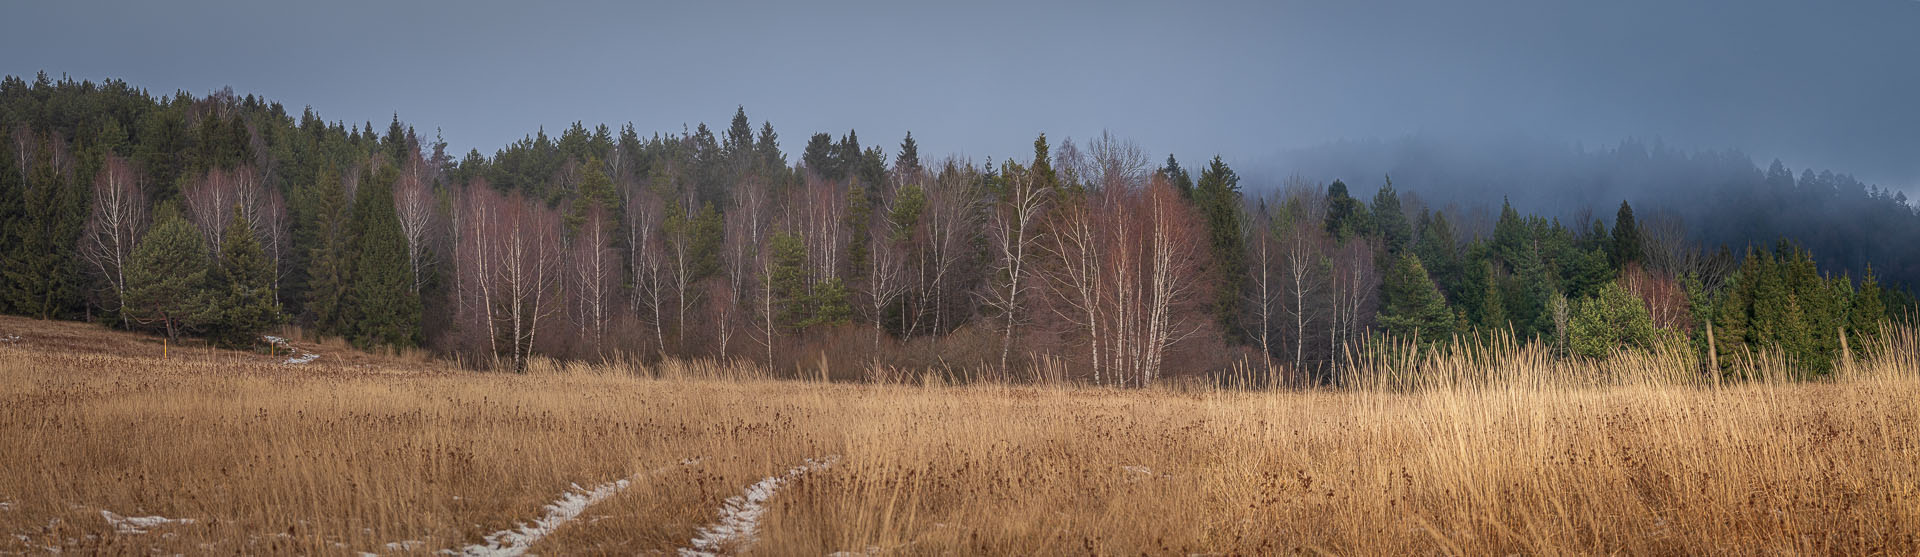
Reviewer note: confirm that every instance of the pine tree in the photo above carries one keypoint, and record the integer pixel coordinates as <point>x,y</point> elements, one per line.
<point>382,305</point>
<point>1181,180</point>
<point>13,221</point>
<point>596,192</point>
<point>1867,311</point>
<point>1044,178</point>
<point>831,307</point>
<point>1512,241</point>
<point>709,237</point>
<point>1437,249</point>
<point>42,273</point>
<point>1626,238</point>
<point>1346,216</point>
<point>1410,305</point>
<point>242,292</point>
<point>820,157</point>
<point>1389,221</point>
<point>166,281</point>
<point>739,139</point>
<point>1610,319</point>
<point>1217,196</point>
<point>1493,306</point>
<point>324,229</point>
<point>1733,312</point>
<point>907,162</point>
<point>859,215</point>
<point>788,281</point>
<point>767,149</point>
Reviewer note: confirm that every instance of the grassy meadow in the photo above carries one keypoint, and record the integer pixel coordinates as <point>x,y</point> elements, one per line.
<point>394,455</point>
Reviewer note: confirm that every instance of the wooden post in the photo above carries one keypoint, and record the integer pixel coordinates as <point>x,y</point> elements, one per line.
<point>163,349</point>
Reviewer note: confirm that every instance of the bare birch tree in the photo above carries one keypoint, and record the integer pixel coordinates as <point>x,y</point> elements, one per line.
<point>413,203</point>
<point>1013,234</point>
<point>114,227</point>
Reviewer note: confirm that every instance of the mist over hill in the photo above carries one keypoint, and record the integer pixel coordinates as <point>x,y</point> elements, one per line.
<point>1719,197</point>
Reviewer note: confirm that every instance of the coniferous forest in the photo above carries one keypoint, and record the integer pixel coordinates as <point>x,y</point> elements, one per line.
<point>226,216</point>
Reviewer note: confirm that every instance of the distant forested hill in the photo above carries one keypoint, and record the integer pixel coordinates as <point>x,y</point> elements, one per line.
<point>1718,197</point>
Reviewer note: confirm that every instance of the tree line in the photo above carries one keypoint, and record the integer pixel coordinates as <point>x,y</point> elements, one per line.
<point>225,216</point>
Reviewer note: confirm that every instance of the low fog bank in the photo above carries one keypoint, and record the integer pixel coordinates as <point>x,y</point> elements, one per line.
<point>1718,197</point>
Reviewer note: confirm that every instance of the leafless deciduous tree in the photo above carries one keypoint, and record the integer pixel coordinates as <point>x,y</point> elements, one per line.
<point>951,219</point>
<point>593,278</point>
<point>1127,268</point>
<point>1263,290</point>
<point>1115,162</point>
<point>413,203</point>
<point>513,264</point>
<point>646,259</point>
<point>1013,234</point>
<point>210,201</point>
<point>1354,290</point>
<point>746,226</point>
<point>118,219</point>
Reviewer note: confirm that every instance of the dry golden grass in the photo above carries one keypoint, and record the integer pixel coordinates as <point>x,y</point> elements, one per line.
<point>350,454</point>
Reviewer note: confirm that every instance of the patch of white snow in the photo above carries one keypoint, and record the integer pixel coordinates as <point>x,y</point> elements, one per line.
<point>407,545</point>
<point>139,524</point>
<point>740,515</point>
<point>299,356</point>
<point>509,543</point>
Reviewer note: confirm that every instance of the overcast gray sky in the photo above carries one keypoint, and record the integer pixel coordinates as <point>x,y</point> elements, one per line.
<point>1826,83</point>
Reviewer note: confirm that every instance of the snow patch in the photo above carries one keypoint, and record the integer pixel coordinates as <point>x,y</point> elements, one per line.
<point>1142,470</point>
<point>740,515</point>
<point>871,551</point>
<point>10,338</point>
<point>509,543</point>
<point>407,545</point>
<point>139,524</point>
<point>6,505</point>
<point>299,356</point>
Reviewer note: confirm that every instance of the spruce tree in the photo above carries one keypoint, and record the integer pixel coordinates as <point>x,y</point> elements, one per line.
<point>1346,216</point>
<point>42,273</point>
<point>1179,177</point>
<point>1733,312</point>
<point>1437,249</point>
<point>831,307</point>
<point>1217,196</point>
<point>709,238</point>
<point>907,162</point>
<point>244,304</point>
<point>1610,319</point>
<point>596,192</point>
<point>1410,305</point>
<point>166,280</point>
<point>13,222</point>
<point>788,281</point>
<point>383,308</point>
<point>820,157</point>
<point>324,229</point>
<point>766,150</point>
<point>1866,312</point>
<point>1627,246</point>
<point>859,215</point>
<point>1389,221</point>
<point>739,138</point>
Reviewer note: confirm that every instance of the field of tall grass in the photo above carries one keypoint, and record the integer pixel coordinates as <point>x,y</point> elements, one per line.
<point>1500,451</point>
